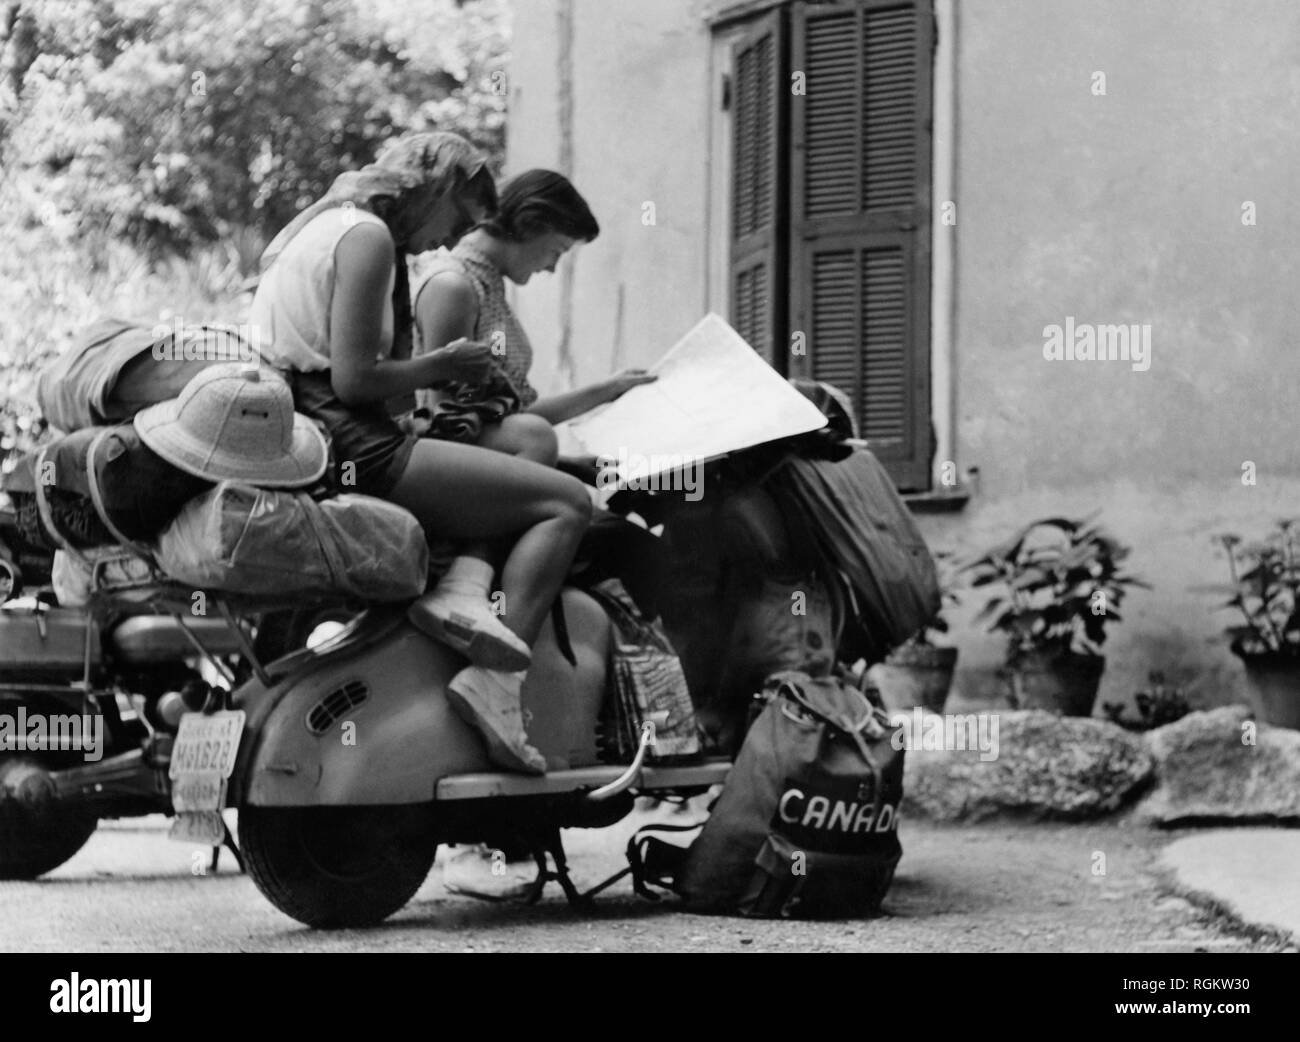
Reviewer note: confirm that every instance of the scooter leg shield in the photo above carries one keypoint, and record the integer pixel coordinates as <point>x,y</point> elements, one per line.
<point>371,724</point>
<point>366,726</point>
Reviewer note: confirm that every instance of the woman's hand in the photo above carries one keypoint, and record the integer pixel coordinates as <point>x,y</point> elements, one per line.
<point>617,386</point>
<point>464,361</point>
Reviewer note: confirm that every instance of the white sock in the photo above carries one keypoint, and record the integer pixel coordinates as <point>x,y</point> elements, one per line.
<point>470,575</point>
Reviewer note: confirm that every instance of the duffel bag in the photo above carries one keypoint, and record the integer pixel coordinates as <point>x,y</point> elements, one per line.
<point>250,540</point>
<point>115,368</point>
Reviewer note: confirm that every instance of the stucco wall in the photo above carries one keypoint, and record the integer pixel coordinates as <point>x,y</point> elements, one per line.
<point>1119,208</point>
<point>639,88</point>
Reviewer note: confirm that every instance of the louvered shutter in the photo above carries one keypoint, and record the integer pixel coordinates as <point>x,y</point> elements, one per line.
<point>759,225</point>
<point>860,217</point>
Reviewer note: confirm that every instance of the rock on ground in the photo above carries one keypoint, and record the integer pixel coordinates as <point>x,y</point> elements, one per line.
<point>1046,766</point>
<point>1212,768</point>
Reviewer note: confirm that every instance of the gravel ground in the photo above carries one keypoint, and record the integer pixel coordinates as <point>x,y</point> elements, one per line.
<point>986,888</point>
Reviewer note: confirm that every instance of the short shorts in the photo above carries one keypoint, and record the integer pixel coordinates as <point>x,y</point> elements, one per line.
<point>370,451</point>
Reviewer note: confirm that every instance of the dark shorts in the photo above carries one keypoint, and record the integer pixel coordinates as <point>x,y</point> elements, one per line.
<point>370,451</point>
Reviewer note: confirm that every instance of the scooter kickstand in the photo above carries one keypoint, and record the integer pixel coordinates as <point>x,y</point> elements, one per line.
<point>227,841</point>
<point>554,846</point>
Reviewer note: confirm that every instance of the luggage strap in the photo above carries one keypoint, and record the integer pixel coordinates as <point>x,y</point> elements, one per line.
<point>561,625</point>
<point>47,515</point>
<point>97,497</point>
<point>650,860</point>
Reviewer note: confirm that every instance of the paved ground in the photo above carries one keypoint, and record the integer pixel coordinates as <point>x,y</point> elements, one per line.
<point>1253,874</point>
<point>984,888</point>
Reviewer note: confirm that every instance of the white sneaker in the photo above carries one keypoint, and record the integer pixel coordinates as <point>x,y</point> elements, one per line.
<point>464,622</point>
<point>489,699</point>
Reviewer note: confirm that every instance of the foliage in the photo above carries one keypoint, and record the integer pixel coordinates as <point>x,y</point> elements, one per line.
<point>1266,590</point>
<point>149,148</point>
<point>1057,583</point>
<point>175,122</point>
<point>1156,706</point>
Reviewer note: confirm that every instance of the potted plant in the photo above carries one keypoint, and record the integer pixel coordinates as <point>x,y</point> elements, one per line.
<point>1266,590</point>
<point>1057,584</point>
<point>919,672</point>
<point>1156,706</point>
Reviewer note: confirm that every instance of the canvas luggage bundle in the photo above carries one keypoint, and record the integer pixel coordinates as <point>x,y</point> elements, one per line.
<point>259,541</point>
<point>95,487</point>
<point>116,368</point>
<point>868,539</point>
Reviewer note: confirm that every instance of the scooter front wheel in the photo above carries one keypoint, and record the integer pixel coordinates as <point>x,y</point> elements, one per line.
<point>331,867</point>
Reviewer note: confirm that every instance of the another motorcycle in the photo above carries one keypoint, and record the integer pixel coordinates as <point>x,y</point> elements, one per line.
<point>91,699</point>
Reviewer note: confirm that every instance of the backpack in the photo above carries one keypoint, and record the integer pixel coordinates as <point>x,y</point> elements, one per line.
<point>868,539</point>
<point>807,823</point>
<point>96,487</point>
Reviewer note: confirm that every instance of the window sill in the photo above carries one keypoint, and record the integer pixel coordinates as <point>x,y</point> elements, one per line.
<point>949,502</point>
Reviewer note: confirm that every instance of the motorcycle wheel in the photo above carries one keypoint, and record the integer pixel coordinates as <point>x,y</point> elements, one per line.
<point>38,830</point>
<point>331,867</point>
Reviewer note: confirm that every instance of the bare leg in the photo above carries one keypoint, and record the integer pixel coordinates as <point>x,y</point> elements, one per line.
<point>467,492</point>
<point>524,435</point>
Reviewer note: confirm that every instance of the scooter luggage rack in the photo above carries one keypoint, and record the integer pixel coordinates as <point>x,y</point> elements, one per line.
<point>166,596</point>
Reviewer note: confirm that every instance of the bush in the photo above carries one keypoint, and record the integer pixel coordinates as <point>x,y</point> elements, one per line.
<point>150,148</point>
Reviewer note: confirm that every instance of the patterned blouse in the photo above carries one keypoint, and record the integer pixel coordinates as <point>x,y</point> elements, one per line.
<point>496,325</point>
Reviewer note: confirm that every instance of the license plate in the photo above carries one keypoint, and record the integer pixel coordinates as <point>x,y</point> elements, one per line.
<point>202,790</point>
<point>207,744</point>
<point>204,828</point>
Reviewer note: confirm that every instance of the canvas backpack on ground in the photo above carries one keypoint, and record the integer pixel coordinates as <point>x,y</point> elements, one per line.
<point>256,541</point>
<point>806,825</point>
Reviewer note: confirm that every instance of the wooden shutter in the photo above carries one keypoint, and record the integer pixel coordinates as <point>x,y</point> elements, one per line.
<point>759,222</point>
<point>860,217</point>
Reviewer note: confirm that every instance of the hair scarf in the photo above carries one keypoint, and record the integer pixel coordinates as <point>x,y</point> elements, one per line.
<point>410,163</point>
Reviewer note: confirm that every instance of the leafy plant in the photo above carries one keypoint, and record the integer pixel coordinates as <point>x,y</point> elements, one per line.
<point>1266,590</point>
<point>1057,583</point>
<point>1156,706</point>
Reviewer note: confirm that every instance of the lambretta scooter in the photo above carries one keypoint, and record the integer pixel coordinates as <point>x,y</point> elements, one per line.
<point>349,767</point>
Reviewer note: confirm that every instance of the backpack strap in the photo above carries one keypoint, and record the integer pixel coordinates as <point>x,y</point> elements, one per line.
<point>47,514</point>
<point>97,497</point>
<point>654,861</point>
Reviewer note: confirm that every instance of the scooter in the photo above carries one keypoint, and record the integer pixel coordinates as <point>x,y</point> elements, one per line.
<point>344,759</point>
<point>349,767</point>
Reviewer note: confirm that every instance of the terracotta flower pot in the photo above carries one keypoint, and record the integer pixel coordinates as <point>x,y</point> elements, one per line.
<point>916,675</point>
<point>1273,683</point>
<point>1060,683</point>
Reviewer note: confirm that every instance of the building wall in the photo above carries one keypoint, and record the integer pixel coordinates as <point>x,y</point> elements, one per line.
<point>1118,208</point>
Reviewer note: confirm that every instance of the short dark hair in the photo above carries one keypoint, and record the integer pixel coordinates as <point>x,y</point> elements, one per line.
<point>540,201</point>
